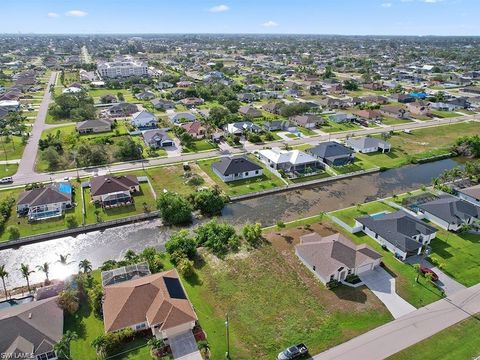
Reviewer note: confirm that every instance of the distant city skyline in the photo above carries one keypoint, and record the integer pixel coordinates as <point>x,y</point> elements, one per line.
<point>342,17</point>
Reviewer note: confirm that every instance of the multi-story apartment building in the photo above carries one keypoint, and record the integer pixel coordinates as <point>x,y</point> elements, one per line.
<point>122,68</point>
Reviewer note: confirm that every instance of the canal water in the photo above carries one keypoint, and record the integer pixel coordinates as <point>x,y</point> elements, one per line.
<point>114,242</point>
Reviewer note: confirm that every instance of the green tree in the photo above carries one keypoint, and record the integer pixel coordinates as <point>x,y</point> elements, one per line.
<point>209,202</point>
<point>174,209</point>
<point>52,158</point>
<point>85,266</point>
<point>181,243</point>
<point>232,105</point>
<point>252,233</point>
<point>45,268</point>
<point>13,232</point>
<point>219,238</point>
<point>3,276</point>
<point>71,221</point>
<point>68,300</point>
<point>127,149</point>
<point>62,347</point>
<point>26,272</point>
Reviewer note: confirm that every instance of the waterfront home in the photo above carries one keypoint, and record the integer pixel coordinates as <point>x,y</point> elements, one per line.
<point>368,144</point>
<point>335,257</point>
<point>144,120</point>
<point>157,302</point>
<point>399,232</point>
<point>470,194</point>
<point>94,126</point>
<point>111,191</point>
<point>45,202</point>
<point>290,161</point>
<point>31,328</point>
<point>449,212</point>
<point>332,153</point>
<point>236,168</point>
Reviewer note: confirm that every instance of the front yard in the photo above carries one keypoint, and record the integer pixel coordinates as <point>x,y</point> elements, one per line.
<point>240,187</point>
<point>199,145</point>
<point>333,127</point>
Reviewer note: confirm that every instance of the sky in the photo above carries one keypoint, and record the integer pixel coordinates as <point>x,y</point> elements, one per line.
<point>345,17</point>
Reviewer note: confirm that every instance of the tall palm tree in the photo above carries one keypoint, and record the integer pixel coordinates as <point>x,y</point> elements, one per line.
<point>26,272</point>
<point>3,276</point>
<point>63,259</point>
<point>85,266</point>
<point>45,268</point>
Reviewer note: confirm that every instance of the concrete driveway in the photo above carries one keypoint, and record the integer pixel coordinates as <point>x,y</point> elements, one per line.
<point>184,347</point>
<point>382,284</point>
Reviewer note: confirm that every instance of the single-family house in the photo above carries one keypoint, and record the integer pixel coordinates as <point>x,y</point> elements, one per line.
<point>191,102</point>
<point>420,108</point>
<point>399,232</point>
<point>181,117</point>
<point>273,107</point>
<point>342,118</point>
<point>195,128</point>
<point>367,114</point>
<point>236,168</point>
<point>94,126</point>
<point>470,194</point>
<point>394,111</point>
<point>332,153</point>
<point>157,138</point>
<point>238,128</point>
<point>290,161</point>
<point>247,97</point>
<point>334,257</point>
<point>163,104</point>
<point>112,191</point>
<point>157,302</point>
<point>45,202</point>
<point>368,144</point>
<point>402,98</point>
<point>308,121</point>
<point>144,120</point>
<point>250,111</point>
<point>449,212</point>
<point>276,125</point>
<point>145,95</point>
<point>31,330</point>
<point>122,109</point>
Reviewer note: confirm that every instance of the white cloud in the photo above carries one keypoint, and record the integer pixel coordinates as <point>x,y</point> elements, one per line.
<point>76,13</point>
<point>219,9</point>
<point>387,5</point>
<point>53,15</point>
<point>270,24</point>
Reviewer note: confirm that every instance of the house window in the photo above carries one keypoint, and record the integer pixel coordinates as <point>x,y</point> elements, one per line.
<point>140,326</point>
<point>256,172</point>
<point>314,268</point>
<point>376,236</point>
<point>246,173</point>
<point>349,271</point>
<point>332,277</point>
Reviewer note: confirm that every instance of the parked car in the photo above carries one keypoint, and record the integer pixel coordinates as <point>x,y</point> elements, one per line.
<point>6,180</point>
<point>426,271</point>
<point>293,352</point>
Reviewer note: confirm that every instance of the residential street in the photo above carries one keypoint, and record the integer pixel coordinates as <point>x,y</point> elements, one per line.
<point>409,329</point>
<point>27,164</point>
<point>26,173</point>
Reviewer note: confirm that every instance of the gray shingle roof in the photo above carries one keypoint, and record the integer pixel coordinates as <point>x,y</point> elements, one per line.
<point>398,228</point>
<point>451,209</point>
<point>330,149</point>
<point>228,165</point>
<point>367,142</point>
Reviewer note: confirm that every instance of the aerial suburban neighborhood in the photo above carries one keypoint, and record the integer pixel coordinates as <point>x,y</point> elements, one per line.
<point>222,183</point>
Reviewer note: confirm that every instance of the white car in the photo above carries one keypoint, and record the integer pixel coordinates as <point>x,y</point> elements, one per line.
<point>6,180</point>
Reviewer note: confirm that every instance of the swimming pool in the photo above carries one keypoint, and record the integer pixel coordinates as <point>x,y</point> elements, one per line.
<point>65,188</point>
<point>12,302</point>
<point>379,215</point>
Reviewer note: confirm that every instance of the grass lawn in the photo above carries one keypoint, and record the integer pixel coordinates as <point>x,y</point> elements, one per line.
<point>96,94</point>
<point>459,341</point>
<point>42,226</point>
<point>320,175</point>
<point>394,121</point>
<point>392,159</point>
<point>305,131</point>
<point>240,187</point>
<point>458,255</point>
<point>263,289</point>
<point>144,196</point>
<point>358,164</point>
<point>199,145</point>
<point>8,170</point>
<point>11,148</point>
<point>332,127</point>
<point>445,114</point>
<point>66,130</point>
<point>417,294</point>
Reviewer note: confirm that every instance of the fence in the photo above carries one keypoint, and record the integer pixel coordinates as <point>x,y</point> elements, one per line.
<point>78,230</point>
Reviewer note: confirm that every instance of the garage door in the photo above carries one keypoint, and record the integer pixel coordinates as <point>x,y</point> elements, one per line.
<point>364,268</point>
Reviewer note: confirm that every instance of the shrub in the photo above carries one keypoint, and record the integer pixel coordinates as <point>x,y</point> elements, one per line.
<point>220,238</point>
<point>252,233</point>
<point>13,232</point>
<point>71,221</point>
<point>185,267</point>
<point>174,209</point>
<point>181,243</point>
<point>208,202</point>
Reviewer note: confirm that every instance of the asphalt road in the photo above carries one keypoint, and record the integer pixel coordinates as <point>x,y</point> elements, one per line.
<point>409,329</point>
<point>26,168</point>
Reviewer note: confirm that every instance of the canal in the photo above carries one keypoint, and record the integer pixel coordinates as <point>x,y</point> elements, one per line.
<point>114,242</point>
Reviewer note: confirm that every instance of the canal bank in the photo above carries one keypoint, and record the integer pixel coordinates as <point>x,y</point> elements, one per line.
<point>112,243</point>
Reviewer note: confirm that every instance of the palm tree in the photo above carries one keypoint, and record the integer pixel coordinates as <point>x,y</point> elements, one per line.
<point>85,266</point>
<point>63,259</point>
<point>25,270</point>
<point>3,276</point>
<point>130,256</point>
<point>62,347</point>
<point>45,268</point>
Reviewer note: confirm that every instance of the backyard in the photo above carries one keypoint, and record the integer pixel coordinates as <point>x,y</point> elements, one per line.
<point>240,187</point>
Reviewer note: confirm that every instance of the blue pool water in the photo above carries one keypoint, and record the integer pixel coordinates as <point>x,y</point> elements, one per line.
<point>379,215</point>
<point>12,302</point>
<point>65,188</point>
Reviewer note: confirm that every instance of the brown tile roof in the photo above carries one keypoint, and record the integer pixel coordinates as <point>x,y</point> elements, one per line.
<point>101,185</point>
<point>146,299</point>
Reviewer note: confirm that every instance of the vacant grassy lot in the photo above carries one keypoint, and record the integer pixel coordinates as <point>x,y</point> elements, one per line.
<point>264,289</point>
<point>458,255</point>
<point>8,170</point>
<point>38,227</point>
<point>394,121</point>
<point>445,114</point>
<point>460,341</point>
<point>417,294</point>
<point>332,127</point>
<point>141,200</point>
<point>11,148</point>
<point>67,130</point>
<point>267,181</point>
<point>199,145</point>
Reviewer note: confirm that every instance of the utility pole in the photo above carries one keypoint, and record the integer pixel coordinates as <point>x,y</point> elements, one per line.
<point>227,354</point>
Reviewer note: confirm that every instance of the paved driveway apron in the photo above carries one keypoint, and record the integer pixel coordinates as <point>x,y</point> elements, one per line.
<point>184,347</point>
<point>382,284</point>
